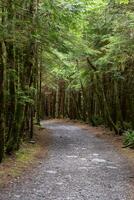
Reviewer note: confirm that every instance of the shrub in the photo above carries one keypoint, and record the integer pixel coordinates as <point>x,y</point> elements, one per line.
<point>129,139</point>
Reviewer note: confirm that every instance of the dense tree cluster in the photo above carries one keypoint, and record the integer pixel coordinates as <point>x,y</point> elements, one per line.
<point>95,81</point>
<point>65,58</point>
<point>19,71</point>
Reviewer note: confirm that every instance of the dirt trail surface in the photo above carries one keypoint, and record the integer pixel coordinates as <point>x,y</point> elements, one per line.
<point>79,166</point>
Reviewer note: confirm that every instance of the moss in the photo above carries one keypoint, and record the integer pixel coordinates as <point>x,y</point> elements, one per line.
<point>25,158</point>
<point>13,166</point>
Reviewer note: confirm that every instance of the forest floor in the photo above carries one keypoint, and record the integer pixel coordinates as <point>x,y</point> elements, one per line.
<point>81,165</point>
<point>23,161</point>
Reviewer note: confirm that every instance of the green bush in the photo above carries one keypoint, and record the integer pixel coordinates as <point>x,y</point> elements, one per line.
<point>129,139</point>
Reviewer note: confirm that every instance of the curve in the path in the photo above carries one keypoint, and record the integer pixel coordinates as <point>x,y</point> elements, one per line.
<point>80,167</point>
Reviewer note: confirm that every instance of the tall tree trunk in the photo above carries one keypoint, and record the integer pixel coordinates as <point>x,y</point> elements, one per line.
<point>2,128</point>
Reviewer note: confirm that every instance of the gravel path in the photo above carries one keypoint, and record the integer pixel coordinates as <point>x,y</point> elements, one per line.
<point>79,167</point>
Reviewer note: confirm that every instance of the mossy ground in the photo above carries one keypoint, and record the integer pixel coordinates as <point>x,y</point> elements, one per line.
<point>28,156</point>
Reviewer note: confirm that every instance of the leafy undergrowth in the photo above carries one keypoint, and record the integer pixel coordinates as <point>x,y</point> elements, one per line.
<point>129,139</point>
<point>28,156</point>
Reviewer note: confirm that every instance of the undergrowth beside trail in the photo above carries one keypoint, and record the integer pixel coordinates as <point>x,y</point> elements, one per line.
<point>27,157</point>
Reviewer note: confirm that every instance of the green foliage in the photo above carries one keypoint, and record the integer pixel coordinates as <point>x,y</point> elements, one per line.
<point>103,32</point>
<point>129,139</point>
<point>122,1</point>
<point>86,45</point>
<point>24,99</point>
